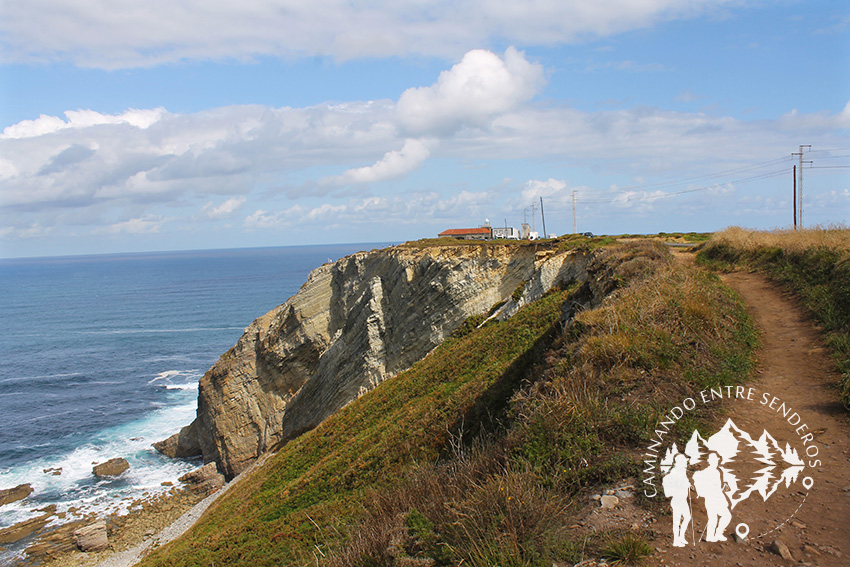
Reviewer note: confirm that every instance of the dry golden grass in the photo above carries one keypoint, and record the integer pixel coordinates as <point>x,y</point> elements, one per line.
<point>833,237</point>
<point>814,264</point>
<point>587,405</point>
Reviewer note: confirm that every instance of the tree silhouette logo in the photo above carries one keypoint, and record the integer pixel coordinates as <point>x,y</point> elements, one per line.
<point>721,473</point>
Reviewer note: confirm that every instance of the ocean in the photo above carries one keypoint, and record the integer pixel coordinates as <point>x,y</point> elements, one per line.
<point>101,356</point>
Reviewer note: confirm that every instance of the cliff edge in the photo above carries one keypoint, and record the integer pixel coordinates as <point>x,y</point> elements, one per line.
<point>353,324</point>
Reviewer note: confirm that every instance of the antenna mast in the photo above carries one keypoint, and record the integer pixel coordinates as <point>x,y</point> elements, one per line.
<point>542,217</point>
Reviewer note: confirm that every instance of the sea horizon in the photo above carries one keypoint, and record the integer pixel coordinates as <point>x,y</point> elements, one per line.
<point>103,357</point>
<point>194,250</point>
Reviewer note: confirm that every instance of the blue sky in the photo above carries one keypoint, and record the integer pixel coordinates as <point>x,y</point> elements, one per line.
<point>184,124</point>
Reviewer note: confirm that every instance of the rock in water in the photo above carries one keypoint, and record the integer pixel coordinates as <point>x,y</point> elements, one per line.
<point>9,495</point>
<point>92,537</point>
<point>112,467</point>
<point>182,445</point>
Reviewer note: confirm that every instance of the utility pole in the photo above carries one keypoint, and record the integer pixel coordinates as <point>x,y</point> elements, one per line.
<point>800,192</point>
<point>794,199</point>
<point>542,217</point>
<point>574,212</point>
<point>533,218</point>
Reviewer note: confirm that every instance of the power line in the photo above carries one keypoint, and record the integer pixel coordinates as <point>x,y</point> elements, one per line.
<point>630,198</point>
<point>724,173</point>
<point>628,195</point>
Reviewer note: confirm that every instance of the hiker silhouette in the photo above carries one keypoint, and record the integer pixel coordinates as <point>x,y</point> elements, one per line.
<point>709,485</point>
<point>677,487</point>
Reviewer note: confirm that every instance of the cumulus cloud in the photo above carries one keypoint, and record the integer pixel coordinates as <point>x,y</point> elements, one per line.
<point>479,87</point>
<point>224,210</point>
<point>142,225</point>
<point>120,34</point>
<point>394,164</point>
<point>80,119</point>
<point>88,168</point>
<point>536,188</point>
<point>414,208</point>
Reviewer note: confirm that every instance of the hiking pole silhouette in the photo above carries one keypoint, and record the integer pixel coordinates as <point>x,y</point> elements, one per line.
<point>691,510</point>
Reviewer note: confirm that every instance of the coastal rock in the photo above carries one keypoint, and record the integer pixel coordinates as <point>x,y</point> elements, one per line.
<point>93,537</point>
<point>9,495</point>
<point>204,480</point>
<point>353,324</point>
<point>26,528</point>
<point>182,445</point>
<point>55,541</point>
<point>112,467</point>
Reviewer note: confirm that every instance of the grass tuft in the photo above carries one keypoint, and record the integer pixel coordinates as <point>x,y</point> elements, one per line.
<point>629,549</point>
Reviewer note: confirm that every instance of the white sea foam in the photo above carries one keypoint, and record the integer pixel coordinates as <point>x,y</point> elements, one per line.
<point>77,487</point>
<point>193,386</point>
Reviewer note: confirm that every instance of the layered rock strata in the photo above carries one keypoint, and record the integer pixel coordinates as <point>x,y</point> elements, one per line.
<point>353,324</point>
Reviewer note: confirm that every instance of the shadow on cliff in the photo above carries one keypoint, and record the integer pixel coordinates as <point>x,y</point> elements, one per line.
<point>489,414</point>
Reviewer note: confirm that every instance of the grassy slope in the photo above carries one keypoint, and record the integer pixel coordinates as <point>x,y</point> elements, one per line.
<point>385,477</point>
<point>318,479</point>
<point>597,394</point>
<point>814,264</point>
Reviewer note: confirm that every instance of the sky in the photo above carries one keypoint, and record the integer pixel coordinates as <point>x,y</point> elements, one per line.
<point>191,124</point>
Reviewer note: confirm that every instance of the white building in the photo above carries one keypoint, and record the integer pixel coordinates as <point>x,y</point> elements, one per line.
<point>506,232</point>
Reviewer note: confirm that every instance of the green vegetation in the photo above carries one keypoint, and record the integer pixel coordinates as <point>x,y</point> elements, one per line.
<point>691,237</point>
<point>565,242</point>
<point>626,550</point>
<point>482,453</point>
<point>318,479</point>
<point>814,264</point>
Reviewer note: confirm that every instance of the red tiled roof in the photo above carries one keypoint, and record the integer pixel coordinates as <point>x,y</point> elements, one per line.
<point>464,231</point>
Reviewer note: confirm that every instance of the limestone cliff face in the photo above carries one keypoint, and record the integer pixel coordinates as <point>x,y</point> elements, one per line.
<point>353,324</point>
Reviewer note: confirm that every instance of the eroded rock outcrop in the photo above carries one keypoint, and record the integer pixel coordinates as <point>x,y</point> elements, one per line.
<point>9,495</point>
<point>93,537</point>
<point>353,324</point>
<point>112,467</point>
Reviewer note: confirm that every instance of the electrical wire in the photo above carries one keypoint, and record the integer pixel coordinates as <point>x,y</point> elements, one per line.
<point>637,198</point>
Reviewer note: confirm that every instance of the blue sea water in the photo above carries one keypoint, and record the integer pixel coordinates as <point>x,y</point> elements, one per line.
<point>100,356</point>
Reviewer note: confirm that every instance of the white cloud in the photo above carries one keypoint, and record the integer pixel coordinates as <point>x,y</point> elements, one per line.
<point>224,210</point>
<point>122,34</point>
<point>144,225</point>
<point>535,188</point>
<point>87,169</point>
<point>80,119</point>
<point>394,164</point>
<point>819,121</point>
<point>472,92</point>
<point>415,208</point>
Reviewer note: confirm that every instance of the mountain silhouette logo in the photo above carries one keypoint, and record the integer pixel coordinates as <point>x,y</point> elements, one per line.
<point>723,471</point>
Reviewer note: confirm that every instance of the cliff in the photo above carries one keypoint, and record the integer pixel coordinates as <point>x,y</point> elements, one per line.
<point>353,324</point>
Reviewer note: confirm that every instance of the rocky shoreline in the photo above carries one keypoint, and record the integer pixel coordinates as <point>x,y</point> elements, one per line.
<point>89,540</point>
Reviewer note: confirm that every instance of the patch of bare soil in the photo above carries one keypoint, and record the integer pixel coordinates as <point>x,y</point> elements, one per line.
<point>808,525</point>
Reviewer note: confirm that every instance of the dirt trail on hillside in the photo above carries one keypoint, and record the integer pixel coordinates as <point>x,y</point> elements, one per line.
<point>795,368</point>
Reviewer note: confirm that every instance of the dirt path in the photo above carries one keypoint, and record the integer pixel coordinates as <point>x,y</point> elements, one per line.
<point>794,368</point>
